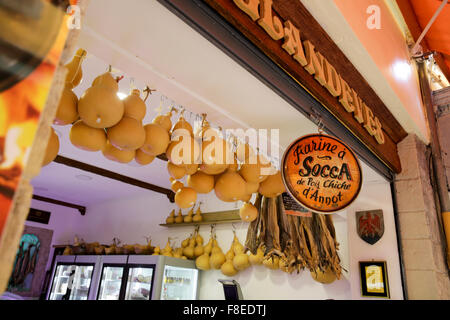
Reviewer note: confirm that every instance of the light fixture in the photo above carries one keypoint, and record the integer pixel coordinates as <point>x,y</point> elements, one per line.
<point>83,177</point>
<point>121,95</point>
<point>401,70</point>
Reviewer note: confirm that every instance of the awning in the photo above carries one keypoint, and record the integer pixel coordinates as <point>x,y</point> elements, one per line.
<point>417,14</point>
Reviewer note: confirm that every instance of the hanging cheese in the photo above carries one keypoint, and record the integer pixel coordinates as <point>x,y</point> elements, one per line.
<point>216,156</point>
<point>246,198</point>
<point>183,124</point>
<point>87,138</point>
<point>134,106</point>
<point>272,186</point>
<point>67,112</point>
<point>176,185</point>
<point>202,262</point>
<point>112,153</point>
<point>164,121</point>
<point>326,277</point>
<point>201,182</point>
<point>176,172</point>
<point>251,187</point>
<point>52,148</point>
<point>106,80</point>
<point>128,134</point>
<point>142,158</point>
<point>257,258</point>
<point>185,197</point>
<point>99,106</point>
<point>256,172</point>
<point>191,168</point>
<point>74,71</point>
<point>183,149</point>
<point>230,186</point>
<point>227,267</point>
<point>217,258</point>
<point>248,212</point>
<point>156,140</point>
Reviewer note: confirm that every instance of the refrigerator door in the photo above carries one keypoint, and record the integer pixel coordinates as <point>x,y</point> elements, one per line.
<point>111,282</point>
<point>139,282</point>
<point>60,281</point>
<point>96,261</point>
<point>179,283</point>
<point>82,282</point>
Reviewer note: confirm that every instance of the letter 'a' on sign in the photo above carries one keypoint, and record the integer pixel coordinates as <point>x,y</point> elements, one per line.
<point>321,173</point>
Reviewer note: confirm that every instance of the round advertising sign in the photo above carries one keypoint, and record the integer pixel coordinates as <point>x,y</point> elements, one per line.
<point>321,173</point>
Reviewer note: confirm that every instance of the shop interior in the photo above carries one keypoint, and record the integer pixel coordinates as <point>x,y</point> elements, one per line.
<point>187,72</point>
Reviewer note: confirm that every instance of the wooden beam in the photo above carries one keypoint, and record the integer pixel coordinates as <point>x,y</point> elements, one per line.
<point>115,176</point>
<point>162,157</point>
<point>82,209</point>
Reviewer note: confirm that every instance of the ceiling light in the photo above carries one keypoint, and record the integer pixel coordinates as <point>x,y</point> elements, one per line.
<point>121,95</point>
<point>83,177</point>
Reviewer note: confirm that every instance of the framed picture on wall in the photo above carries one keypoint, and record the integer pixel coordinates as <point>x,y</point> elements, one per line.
<point>374,279</point>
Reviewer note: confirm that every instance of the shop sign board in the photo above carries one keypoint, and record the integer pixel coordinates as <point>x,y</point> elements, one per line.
<point>370,225</point>
<point>292,207</point>
<point>321,173</point>
<point>288,34</point>
<point>306,55</point>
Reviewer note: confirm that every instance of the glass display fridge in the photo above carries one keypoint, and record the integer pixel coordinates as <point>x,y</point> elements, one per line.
<point>112,277</point>
<point>146,277</point>
<point>175,279</point>
<point>81,270</point>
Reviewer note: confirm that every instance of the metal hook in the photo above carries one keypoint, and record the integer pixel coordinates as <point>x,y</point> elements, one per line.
<point>320,126</point>
<point>317,119</point>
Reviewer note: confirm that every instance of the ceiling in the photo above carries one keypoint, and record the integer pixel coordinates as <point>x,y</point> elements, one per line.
<point>161,51</point>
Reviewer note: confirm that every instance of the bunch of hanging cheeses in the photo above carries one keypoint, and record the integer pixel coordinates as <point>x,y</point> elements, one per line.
<point>102,122</point>
<point>67,112</point>
<point>211,164</point>
<point>211,257</point>
<point>290,243</point>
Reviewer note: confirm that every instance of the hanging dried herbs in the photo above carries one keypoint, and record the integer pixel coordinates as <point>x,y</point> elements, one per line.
<point>296,242</point>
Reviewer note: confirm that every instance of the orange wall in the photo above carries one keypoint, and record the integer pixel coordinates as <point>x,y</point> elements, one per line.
<point>388,49</point>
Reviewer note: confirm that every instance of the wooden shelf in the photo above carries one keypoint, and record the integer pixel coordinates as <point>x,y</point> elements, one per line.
<point>218,217</point>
